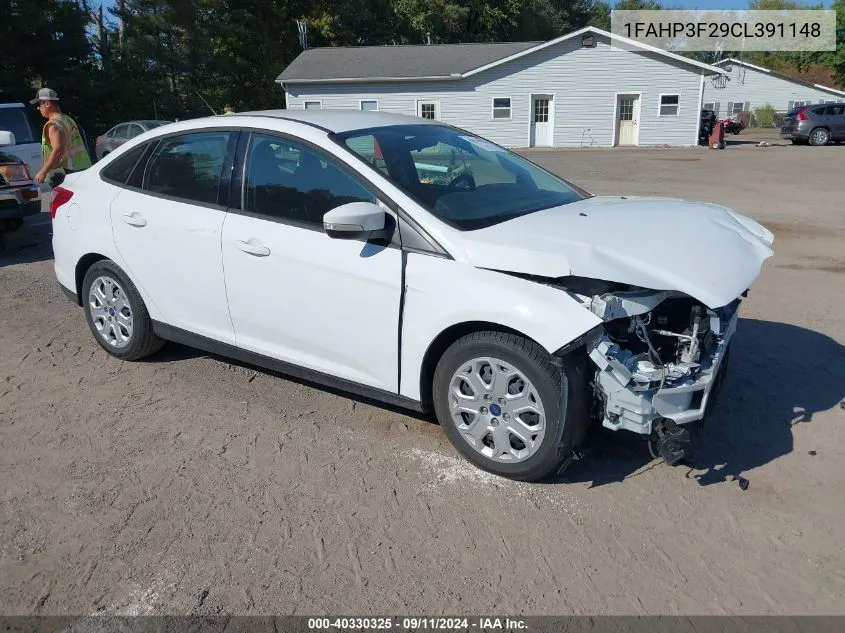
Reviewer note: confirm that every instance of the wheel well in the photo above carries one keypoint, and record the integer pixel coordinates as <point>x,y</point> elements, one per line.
<point>440,344</point>
<point>82,267</point>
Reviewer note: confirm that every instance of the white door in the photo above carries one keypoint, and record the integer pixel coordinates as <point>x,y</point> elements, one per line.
<point>169,235</point>
<point>541,121</point>
<point>627,119</point>
<point>298,295</point>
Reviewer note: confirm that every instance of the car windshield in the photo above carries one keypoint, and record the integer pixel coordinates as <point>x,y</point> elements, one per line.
<point>17,121</point>
<point>464,180</point>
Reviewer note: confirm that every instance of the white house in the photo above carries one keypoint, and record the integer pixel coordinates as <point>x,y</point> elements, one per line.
<point>745,87</point>
<point>588,88</point>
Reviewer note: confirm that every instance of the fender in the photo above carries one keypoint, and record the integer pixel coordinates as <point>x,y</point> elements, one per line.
<point>441,293</point>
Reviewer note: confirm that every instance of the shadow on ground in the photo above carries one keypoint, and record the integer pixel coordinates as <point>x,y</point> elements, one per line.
<point>780,376</point>
<point>175,352</point>
<point>30,243</point>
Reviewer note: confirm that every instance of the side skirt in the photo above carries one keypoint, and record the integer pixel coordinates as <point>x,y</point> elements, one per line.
<point>178,335</point>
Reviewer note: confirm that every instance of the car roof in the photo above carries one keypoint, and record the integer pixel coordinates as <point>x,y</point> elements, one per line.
<point>341,120</point>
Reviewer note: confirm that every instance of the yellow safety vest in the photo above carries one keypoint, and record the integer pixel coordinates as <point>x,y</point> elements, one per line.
<point>76,156</point>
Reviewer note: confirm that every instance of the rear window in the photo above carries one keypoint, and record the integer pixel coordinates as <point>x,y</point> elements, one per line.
<point>17,121</point>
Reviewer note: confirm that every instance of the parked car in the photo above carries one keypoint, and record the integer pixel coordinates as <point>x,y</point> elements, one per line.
<point>815,124</point>
<point>121,133</point>
<point>19,196</point>
<point>412,262</point>
<point>15,118</point>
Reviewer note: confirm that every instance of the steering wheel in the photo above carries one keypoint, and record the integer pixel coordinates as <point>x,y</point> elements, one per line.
<point>461,177</point>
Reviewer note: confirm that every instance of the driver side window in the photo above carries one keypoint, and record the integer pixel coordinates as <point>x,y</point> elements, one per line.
<point>291,183</point>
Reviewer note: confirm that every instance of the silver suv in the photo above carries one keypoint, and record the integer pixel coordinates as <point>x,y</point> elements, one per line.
<point>815,124</point>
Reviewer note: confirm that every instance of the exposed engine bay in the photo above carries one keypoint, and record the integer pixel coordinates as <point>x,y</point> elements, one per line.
<point>659,358</point>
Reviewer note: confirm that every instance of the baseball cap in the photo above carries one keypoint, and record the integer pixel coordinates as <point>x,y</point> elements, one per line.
<point>45,94</point>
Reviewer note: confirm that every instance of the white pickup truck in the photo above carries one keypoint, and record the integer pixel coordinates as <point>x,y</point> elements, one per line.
<point>15,118</point>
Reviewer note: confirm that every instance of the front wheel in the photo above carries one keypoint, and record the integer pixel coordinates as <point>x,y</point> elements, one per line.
<point>498,398</point>
<point>116,314</point>
<point>819,136</point>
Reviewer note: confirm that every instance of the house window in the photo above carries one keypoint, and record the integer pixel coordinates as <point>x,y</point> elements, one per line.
<point>313,105</point>
<point>369,104</point>
<point>428,110</point>
<point>669,105</point>
<point>502,108</point>
<point>710,106</point>
<point>736,108</point>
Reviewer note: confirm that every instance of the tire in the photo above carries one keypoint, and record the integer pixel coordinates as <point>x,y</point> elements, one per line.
<point>116,314</point>
<point>819,136</point>
<point>536,450</point>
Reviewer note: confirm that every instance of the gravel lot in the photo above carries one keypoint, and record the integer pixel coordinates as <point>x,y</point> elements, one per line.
<point>187,484</point>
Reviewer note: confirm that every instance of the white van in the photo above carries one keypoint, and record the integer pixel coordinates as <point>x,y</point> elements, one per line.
<point>15,118</point>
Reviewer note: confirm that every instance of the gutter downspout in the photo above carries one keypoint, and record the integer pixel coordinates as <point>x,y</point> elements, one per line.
<point>700,106</point>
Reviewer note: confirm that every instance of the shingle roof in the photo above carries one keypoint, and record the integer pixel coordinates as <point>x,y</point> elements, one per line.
<point>439,61</point>
<point>400,62</point>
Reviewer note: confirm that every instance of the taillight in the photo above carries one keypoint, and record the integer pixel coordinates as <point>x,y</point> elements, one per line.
<point>60,197</point>
<point>801,115</point>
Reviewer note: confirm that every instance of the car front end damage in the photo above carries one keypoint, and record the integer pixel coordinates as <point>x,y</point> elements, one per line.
<point>657,361</point>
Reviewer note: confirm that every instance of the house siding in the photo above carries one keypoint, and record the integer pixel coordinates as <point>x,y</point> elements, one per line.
<point>583,81</point>
<point>755,89</point>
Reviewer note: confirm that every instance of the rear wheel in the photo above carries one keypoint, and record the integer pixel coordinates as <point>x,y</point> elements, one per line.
<point>819,136</point>
<point>498,398</point>
<point>116,314</point>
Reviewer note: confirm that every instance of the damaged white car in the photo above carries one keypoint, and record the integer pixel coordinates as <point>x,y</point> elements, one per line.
<point>413,263</point>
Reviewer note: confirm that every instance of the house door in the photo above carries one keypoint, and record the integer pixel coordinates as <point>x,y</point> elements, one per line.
<point>627,121</point>
<point>541,120</point>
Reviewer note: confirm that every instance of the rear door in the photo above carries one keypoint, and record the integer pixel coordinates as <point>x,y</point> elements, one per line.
<point>167,230</point>
<point>295,294</point>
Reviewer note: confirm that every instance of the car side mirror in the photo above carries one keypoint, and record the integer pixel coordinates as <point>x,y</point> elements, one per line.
<point>7,138</point>
<point>354,220</point>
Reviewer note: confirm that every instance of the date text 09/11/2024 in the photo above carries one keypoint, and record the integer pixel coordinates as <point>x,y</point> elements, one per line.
<point>723,29</point>
<point>416,624</point>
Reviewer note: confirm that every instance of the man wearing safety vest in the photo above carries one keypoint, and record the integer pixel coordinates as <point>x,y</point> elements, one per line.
<point>61,143</point>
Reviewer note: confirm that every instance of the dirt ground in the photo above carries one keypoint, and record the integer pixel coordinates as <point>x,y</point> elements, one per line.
<point>187,484</point>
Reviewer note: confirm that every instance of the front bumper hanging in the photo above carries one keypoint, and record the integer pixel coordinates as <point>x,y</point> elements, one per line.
<point>635,398</point>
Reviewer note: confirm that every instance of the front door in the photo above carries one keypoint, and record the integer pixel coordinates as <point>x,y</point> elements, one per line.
<point>169,234</point>
<point>627,119</point>
<point>541,121</point>
<point>296,294</point>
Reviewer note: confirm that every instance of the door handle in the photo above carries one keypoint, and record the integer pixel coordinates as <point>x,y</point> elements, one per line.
<point>253,249</point>
<point>135,219</point>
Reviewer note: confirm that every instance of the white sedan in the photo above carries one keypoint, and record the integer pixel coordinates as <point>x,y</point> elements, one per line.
<point>412,262</point>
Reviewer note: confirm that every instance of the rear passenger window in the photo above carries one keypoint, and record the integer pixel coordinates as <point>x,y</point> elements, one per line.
<point>120,169</point>
<point>289,182</point>
<point>188,166</point>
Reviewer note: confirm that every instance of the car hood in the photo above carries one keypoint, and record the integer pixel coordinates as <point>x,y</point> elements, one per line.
<point>703,250</point>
